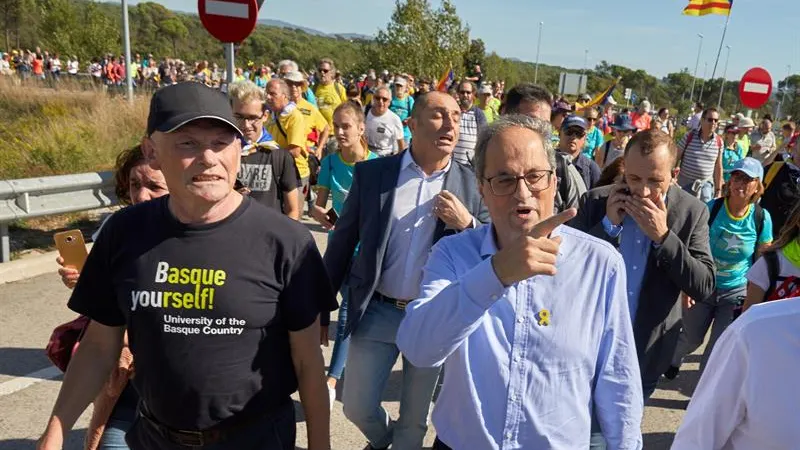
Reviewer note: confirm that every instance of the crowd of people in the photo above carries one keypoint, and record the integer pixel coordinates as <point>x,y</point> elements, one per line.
<point>549,264</point>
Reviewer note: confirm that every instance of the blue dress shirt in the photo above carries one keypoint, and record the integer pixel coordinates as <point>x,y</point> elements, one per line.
<point>526,364</point>
<point>634,246</point>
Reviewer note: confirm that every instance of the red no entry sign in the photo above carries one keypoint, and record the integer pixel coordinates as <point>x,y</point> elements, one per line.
<point>755,88</point>
<point>229,20</point>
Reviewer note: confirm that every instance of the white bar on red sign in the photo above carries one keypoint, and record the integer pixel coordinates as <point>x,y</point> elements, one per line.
<point>227,9</point>
<point>756,88</point>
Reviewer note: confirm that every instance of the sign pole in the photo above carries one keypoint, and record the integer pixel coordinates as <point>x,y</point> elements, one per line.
<point>229,62</point>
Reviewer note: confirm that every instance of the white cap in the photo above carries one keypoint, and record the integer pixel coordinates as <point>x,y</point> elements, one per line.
<point>485,89</point>
<point>401,81</point>
<point>294,77</point>
<point>611,100</point>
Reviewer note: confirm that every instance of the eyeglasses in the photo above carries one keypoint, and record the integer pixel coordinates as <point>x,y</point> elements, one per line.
<point>712,120</point>
<point>382,99</point>
<point>250,119</point>
<point>591,119</point>
<point>465,92</point>
<point>536,181</point>
<point>321,70</point>
<point>575,133</point>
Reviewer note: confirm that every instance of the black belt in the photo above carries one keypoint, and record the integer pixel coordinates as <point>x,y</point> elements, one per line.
<point>217,433</point>
<point>399,304</point>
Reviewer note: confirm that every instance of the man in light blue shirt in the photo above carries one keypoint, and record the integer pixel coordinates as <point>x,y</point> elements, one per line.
<point>531,318</point>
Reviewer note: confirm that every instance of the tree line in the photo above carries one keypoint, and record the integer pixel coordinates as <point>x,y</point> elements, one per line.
<point>418,39</point>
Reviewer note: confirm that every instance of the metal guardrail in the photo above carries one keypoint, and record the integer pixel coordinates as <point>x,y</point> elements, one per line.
<point>35,197</point>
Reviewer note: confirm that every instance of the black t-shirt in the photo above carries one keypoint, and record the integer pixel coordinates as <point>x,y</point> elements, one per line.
<point>208,308</point>
<point>268,173</point>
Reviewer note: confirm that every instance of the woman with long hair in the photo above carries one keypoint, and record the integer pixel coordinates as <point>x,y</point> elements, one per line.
<point>115,407</point>
<point>777,274</point>
<point>335,179</point>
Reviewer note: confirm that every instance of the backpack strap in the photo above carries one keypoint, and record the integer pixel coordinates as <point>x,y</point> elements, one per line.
<point>772,173</point>
<point>759,218</point>
<point>718,203</point>
<point>773,271</point>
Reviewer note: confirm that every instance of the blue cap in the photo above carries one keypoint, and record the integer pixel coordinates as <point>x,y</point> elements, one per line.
<point>750,167</point>
<point>574,121</point>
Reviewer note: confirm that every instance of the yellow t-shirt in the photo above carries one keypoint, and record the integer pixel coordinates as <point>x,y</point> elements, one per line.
<point>313,120</point>
<point>293,124</point>
<point>328,98</point>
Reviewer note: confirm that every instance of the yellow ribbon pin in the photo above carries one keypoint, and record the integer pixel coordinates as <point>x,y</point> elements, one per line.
<point>544,318</point>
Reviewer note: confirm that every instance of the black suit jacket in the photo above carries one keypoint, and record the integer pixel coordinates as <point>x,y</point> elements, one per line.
<point>683,263</point>
<point>366,220</point>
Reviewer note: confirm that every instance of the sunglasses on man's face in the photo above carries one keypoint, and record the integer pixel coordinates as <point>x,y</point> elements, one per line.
<point>465,92</point>
<point>591,119</point>
<point>712,120</point>
<point>321,70</point>
<point>382,99</point>
<point>575,133</point>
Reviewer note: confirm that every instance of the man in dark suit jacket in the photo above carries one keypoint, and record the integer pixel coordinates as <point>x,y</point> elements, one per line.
<point>397,208</point>
<point>662,234</point>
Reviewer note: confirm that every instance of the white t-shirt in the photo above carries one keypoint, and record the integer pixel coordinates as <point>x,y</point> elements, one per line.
<point>748,395</point>
<point>694,121</point>
<point>383,132</point>
<point>758,273</point>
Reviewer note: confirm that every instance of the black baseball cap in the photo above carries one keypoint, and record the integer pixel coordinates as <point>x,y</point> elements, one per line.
<point>174,106</point>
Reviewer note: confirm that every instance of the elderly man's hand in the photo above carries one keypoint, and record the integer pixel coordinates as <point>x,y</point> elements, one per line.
<point>451,211</point>
<point>533,254</point>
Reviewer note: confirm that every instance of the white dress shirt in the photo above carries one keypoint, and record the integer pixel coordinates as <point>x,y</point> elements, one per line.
<point>412,225</point>
<point>749,395</point>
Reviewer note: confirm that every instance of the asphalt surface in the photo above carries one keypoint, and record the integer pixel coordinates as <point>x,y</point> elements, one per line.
<point>29,384</point>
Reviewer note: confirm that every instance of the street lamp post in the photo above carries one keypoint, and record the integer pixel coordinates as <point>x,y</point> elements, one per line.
<point>696,65</point>
<point>126,35</point>
<point>703,84</point>
<point>724,74</point>
<point>538,49</point>
<point>783,97</point>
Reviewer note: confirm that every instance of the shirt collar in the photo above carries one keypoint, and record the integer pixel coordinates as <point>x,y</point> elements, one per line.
<point>408,161</point>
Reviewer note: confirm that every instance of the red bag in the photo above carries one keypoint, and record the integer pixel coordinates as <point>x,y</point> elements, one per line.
<point>64,341</point>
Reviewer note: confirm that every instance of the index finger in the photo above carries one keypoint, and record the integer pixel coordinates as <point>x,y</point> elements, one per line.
<point>545,227</point>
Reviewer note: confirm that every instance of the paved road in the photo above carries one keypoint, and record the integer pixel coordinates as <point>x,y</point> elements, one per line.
<point>29,384</point>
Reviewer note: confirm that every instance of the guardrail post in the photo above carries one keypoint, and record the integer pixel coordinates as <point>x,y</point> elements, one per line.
<point>5,243</point>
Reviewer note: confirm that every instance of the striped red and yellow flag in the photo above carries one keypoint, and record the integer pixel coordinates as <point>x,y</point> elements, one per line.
<point>704,7</point>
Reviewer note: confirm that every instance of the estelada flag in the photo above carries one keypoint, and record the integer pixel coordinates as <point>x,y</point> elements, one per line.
<point>602,97</point>
<point>703,7</point>
<point>446,80</point>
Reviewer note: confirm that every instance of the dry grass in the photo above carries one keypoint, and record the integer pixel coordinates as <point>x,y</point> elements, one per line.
<point>44,131</point>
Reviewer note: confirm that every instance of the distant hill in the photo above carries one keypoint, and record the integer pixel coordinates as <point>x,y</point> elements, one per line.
<point>282,24</point>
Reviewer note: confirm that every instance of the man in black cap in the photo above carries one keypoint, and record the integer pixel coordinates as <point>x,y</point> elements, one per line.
<point>222,312</point>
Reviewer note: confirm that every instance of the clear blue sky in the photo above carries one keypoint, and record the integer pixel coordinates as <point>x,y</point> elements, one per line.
<point>642,34</point>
